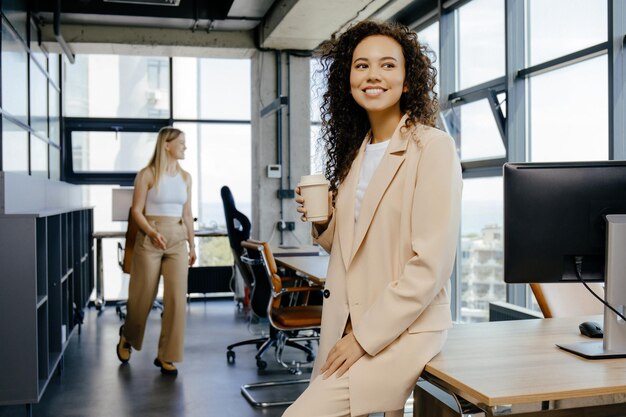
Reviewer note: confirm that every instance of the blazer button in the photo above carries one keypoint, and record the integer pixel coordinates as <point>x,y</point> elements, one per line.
<point>326,293</point>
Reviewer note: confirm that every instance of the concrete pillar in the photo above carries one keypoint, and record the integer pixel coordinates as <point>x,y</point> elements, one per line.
<point>266,206</point>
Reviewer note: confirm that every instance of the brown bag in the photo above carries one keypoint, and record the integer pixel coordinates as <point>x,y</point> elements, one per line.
<point>131,235</point>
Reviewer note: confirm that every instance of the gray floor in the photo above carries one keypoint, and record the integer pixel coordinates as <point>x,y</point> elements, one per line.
<point>94,384</point>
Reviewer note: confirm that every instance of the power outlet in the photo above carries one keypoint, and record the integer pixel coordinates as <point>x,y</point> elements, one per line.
<point>283,226</point>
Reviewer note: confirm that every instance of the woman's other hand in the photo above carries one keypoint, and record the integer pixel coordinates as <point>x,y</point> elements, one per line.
<point>342,356</point>
<point>192,256</point>
<point>158,240</point>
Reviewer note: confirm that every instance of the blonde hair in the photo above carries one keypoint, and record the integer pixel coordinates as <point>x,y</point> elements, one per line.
<point>158,162</point>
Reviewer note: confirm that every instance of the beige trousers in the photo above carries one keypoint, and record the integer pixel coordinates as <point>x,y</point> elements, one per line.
<point>149,263</point>
<point>327,398</point>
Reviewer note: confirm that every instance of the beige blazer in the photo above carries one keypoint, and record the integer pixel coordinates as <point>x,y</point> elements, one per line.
<point>390,271</point>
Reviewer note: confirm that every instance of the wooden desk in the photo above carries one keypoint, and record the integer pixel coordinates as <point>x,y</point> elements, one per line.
<point>516,362</point>
<point>313,267</point>
<point>120,234</point>
<point>301,250</point>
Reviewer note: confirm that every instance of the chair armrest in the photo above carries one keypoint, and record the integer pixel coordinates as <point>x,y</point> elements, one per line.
<point>290,279</point>
<point>295,289</point>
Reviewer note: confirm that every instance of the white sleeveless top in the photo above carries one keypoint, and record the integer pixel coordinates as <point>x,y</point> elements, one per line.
<point>169,199</point>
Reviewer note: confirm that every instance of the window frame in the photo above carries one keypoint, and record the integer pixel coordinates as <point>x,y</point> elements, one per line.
<point>90,124</point>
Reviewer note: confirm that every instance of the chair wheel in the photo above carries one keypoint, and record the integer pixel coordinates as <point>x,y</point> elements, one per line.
<point>230,357</point>
<point>261,364</point>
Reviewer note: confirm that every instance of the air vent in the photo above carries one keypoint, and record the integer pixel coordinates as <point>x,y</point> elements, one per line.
<point>147,2</point>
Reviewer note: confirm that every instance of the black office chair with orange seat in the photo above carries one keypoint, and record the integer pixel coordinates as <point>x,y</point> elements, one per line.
<point>238,227</point>
<point>286,306</point>
<point>289,316</point>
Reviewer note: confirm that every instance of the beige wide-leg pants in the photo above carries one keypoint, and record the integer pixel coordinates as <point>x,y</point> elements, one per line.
<point>327,398</point>
<point>149,263</point>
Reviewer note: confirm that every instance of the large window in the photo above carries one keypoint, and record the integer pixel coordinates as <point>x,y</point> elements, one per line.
<point>216,89</point>
<point>318,87</point>
<point>115,86</point>
<point>581,24</point>
<point>478,132</point>
<point>14,74</point>
<point>38,100</point>
<point>218,155</point>
<point>30,97</point>
<point>556,92</point>
<point>14,148</point>
<point>481,42</point>
<point>429,37</point>
<point>569,113</point>
<point>111,151</point>
<point>112,139</point>
<point>481,253</point>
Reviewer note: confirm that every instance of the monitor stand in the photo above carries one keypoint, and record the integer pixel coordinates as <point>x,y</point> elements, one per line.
<point>614,343</point>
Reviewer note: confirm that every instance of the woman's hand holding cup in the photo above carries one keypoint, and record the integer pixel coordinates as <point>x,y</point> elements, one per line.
<point>313,188</point>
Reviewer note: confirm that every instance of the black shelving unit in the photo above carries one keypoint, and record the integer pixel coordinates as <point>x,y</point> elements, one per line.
<point>46,275</point>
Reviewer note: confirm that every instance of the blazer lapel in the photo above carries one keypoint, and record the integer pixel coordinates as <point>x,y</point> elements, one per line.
<point>345,206</point>
<point>384,174</point>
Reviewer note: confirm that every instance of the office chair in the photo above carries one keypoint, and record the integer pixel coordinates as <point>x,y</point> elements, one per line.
<point>568,299</point>
<point>125,259</point>
<point>288,315</point>
<point>238,227</point>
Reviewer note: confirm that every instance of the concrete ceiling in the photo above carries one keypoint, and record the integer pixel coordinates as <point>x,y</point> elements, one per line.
<point>216,28</point>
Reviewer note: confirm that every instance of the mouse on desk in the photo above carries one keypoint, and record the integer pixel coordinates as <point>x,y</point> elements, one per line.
<point>591,329</point>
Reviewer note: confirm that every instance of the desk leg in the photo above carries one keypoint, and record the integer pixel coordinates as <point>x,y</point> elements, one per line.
<point>99,276</point>
<point>428,402</point>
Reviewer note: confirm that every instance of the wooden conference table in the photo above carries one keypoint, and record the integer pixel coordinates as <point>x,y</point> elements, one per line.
<point>312,268</point>
<point>499,364</point>
<point>120,234</point>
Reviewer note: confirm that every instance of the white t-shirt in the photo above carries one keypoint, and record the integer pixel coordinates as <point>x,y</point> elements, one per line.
<point>374,153</point>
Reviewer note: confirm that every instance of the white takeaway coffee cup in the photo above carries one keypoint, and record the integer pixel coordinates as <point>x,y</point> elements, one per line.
<point>314,190</point>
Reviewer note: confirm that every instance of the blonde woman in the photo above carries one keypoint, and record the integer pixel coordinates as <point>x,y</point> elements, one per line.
<point>164,246</point>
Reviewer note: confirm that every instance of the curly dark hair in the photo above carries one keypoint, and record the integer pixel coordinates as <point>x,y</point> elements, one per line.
<point>344,122</point>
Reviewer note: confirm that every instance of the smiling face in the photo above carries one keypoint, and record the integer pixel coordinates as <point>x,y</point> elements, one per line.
<point>176,147</point>
<point>377,75</point>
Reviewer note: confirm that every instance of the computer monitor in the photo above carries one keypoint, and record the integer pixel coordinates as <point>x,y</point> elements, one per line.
<point>556,214</point>
<point>121,200</point>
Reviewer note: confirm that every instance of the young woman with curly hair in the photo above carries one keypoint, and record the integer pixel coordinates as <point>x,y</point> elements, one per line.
<point>393,225</point>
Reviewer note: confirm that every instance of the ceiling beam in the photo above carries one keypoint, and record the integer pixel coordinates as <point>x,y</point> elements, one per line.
<point>151,41</point>
<point>304,24</point>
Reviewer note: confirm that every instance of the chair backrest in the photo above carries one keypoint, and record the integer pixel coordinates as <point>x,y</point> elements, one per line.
<point>238,228</point>
<point>254,258</point>
<point>272,272</point>
<point>568,299</point>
